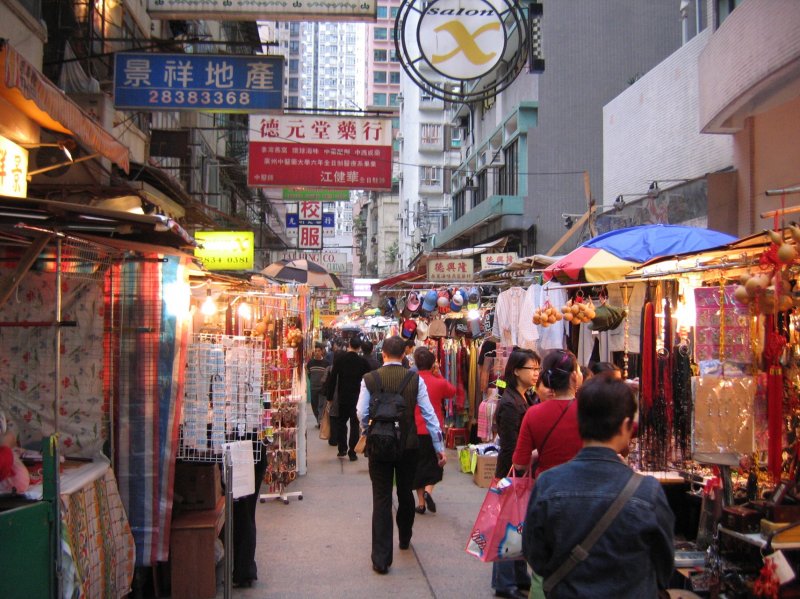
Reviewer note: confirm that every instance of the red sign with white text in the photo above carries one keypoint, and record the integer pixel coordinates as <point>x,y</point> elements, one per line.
<point>320,151</point>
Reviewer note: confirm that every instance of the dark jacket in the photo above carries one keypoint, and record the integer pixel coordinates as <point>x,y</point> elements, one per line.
<point>316,373</point>
<point>508,418</point>
<point>373,362</point>
<point>345,379</point>
<point>633,558</point>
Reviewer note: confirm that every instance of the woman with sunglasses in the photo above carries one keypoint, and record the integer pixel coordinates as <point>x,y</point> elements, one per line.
<point>511,578</point>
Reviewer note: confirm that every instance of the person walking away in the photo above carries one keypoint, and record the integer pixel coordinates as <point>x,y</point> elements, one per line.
<point>345,379</point>
<point>315,370</point>
<point>366,353</point>
<point>634,557</point>
<point>429,473</point>
<point>551,426</point>
<point>389,378</point>
<point>510,578</point>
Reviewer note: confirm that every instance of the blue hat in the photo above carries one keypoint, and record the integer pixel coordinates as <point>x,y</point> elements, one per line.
<point>456,302</point>
<point>429,302</point>
<point>473,299</point>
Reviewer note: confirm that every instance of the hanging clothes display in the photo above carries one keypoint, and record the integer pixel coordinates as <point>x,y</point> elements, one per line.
<point>508,310</point>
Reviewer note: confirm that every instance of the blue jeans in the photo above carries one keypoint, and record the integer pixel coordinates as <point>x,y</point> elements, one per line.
<point>507,576</point>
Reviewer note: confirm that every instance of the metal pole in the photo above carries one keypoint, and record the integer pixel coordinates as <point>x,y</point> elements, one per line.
<point>54,438</point>
<point>228,559</point>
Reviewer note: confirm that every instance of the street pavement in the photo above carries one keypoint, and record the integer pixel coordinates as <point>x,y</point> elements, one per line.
<point>320,546</point>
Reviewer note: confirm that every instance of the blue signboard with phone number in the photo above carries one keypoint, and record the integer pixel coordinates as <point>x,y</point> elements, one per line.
<point>206,82</point>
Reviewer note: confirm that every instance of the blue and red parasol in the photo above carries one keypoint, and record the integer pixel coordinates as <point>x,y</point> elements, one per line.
<point>612,255</point>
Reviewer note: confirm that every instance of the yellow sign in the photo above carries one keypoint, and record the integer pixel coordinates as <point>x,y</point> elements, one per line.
<point>225,250</point>
<point>13,169</point>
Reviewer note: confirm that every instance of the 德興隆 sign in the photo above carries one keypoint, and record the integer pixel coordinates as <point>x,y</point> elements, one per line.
<point>443,270</point>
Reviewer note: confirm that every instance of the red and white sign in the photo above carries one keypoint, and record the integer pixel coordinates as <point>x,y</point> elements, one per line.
<point>309,237</point>
<point>329,152</point>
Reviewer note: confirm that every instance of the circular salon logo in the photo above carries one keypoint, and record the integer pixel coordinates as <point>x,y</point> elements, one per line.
<point>461,39</point>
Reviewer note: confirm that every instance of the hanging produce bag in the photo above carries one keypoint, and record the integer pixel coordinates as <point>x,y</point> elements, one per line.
<point>497,533</point>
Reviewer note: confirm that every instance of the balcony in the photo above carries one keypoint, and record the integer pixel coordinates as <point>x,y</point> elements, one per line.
<point>431,144</point>
<point>497,215</point>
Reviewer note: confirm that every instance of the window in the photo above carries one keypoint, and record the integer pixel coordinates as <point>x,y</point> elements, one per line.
<point>381,33</point>
<point>394,100</point>
<point>430,133</point>
<point>725,8</point>
<point>394,77</point>
<point>294,66</point>
<point>382,12</point>
<point>394,11</point>
<point>430,175</point>
<point>379,99</point>
<point>507,183</point>
<point>294,47</point>
<point>455,137</point>
<point>293,101</point>
<point>293,84</point>
<point>379,77</point>
<point>379,55</point>
<point>394,34</point>
<point>459,204</point>
<point>294,29</point>
<point>393,56</point>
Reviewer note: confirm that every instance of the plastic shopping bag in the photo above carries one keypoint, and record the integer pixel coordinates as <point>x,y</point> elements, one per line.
<point>497,533</point>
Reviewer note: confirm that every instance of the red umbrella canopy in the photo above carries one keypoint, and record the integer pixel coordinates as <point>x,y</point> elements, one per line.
<point>302,271</point>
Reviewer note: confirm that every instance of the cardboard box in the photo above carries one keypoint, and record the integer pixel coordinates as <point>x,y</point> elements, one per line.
<point>484,470</point>
<point>197,486</point>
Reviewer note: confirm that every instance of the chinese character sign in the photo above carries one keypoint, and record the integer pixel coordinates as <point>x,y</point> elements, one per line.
<point>320,152</point>
<point>450,269</point>
<point>213,83</point>
<point>309,237</point>
<point>252,10</point>
<point>13,169</point>
<point>498,260</point>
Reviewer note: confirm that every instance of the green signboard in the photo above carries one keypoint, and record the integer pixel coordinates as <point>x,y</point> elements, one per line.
<point>318,195</point>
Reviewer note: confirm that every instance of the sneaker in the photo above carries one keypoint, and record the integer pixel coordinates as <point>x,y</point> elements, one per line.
<point>352,455</point>
<point>341,454</point>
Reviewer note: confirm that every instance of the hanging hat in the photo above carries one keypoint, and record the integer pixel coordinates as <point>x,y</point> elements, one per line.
<point>429,303</point>
<point>400,304</point>
<point>473,299</point>
<point>409,328</point>
<point>391,306</point>
<point>456,303</point>
<point>443,302</point>
<point>412,302</point>
<point>437,329</point>
<point>422,330</point>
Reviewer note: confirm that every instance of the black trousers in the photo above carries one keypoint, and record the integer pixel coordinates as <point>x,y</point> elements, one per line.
<point>347,414</point>
<point>244,528</point>
<point>382,475</point>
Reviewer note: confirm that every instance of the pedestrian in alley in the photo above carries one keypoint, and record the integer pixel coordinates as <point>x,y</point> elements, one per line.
<point>634,556</point>
<point>511,578</point>
<point>429,473</point>
<point>345,379</point>
<point>389,378</point>
<point>366,353</point>
<point>315,369</point>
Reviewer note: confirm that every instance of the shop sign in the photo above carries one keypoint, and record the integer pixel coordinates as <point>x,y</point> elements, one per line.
<point>309,223</point>
<point>211,83</point>
<point>258,10</point>
<point>498,260</point>
<point>449,269</point>
<point>467,50</point>
<point>225,250</point>
<point>335,262</point>
<point>363,287</point>
<point>13,169</point>
<point>323,195</point>
<point>320,151</point>
<point>345,300</point>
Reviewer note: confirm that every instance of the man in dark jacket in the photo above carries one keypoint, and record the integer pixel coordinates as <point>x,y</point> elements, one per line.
<point>345,379</point>
<point>315,369</point>
<point>634,556</point>
<point>366,352</point>
<point>382,473</point>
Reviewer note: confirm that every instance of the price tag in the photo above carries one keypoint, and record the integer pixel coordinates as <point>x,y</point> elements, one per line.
<point>783,571</point>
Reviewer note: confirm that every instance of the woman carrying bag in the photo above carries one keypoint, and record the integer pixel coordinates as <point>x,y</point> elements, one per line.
<point>510,578</point>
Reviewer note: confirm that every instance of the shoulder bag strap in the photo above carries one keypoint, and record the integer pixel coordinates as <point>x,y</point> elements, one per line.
<point>555,424</point>
<point>406,379</point>
<point>581,551</point>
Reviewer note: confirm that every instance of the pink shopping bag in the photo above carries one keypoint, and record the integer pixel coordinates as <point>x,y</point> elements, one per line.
<point>497,533</point>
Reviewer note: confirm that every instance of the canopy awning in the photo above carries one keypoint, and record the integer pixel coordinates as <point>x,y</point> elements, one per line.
<point>408,276</point>
<point>24,87</point>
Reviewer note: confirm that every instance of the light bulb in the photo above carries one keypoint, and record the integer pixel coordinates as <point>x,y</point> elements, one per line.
<point>473,314</point>
<point>209,308</point>
<point>245,312</point>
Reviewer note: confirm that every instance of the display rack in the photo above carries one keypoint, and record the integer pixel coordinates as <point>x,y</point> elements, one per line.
<point>223,398</point>
<point>282,413</point>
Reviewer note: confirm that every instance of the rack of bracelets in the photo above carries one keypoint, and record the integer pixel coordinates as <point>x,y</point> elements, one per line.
<point>283,404</point>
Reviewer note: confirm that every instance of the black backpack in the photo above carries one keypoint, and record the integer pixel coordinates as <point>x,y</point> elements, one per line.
<point>388,421</point>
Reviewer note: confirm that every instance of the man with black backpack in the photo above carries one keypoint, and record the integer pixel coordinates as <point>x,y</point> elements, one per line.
<point>386,413</point>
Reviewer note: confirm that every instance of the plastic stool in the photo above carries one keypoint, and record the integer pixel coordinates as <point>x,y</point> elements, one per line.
<point>454,435</point>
